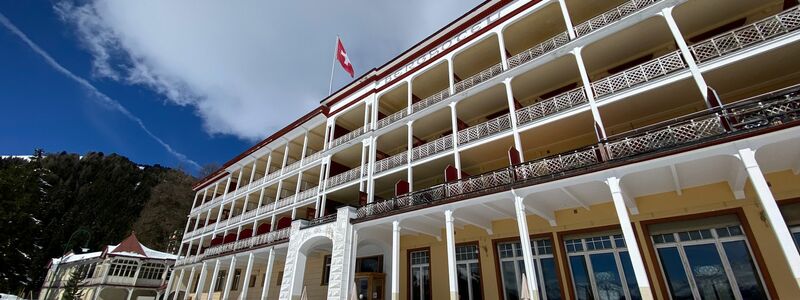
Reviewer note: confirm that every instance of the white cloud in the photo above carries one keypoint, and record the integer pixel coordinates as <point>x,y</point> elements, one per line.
<point>247,67</point>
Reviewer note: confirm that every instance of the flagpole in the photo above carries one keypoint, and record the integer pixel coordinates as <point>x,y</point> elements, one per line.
<point>333,64</point>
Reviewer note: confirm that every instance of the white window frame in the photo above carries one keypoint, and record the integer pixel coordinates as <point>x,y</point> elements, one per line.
<point>468,263</point>
<point>585,253</point>
<point>416,264</point>
<point>537,257</point>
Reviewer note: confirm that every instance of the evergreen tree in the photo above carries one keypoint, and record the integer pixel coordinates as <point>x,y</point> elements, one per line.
<point>72,289</point>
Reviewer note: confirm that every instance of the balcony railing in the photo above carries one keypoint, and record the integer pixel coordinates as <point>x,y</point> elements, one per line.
<point>485,129</point>
<point>313,157</point>
<point>431,148</point>
<point>402,113</point>
<point>430,100</point>
<point>748,35</point>
<point>391,162</point>
<point>321,220</point>
<point>645,72</point>
<point>291,167</point>
<point>284,202</point>
<point>274,237</point>
<point>611,16</point>
<point>551,106</point>
<point>548,45</point>
<point>347,137</point>
<point>780,108</point>
<point>307,194</point>
<point>345,177</point>
<point>249,214</point>
<point>482,76</point>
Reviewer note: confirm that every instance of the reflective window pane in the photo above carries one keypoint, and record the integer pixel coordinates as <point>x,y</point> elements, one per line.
<point>580,278</point>
<point>630,276</point>
<point>674,274</point>
<point>744,270</point>
<point>509,280</point>
<point>551,279</point>
<point>606,276</point>
<point>708,272</point>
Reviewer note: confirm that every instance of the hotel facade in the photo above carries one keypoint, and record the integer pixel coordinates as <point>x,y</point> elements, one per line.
<point>640,149</point>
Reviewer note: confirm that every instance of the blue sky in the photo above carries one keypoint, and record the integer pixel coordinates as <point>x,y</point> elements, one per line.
<point>208,80</point>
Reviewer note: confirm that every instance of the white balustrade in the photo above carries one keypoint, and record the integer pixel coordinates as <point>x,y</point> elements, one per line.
<point>347,137</point>
<point>430,100</point>
<point>551,106</point>
<point>431,148</point>
<point>343,178</point>
<point>482,76</point>
<point>485,129</point>
<point>386,121</point>
<point>645,72</point>
<point>611,16</point>
<point>391,162</point>
<point>538,50</point>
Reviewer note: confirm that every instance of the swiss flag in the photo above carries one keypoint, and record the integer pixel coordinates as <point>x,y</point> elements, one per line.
<point>341,56</point>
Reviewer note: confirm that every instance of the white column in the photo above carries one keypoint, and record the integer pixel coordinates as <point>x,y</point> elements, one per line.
<point>268,274</point>
<point>200,283</point>
<point>687,55</point>
<point>229,279</point>
<point>513,114</point>
<point>587,88</point>
<point>285,155</point>
<point>177,285</point>
<point>371,170</point>
<point>396,260</point>
<point>503,54</point>
<point>451,254</point>
<point>456,155</point>
<point>246,281</point>
<point>269,164</point>
<point>188,287</point>
<point>772,212</point>
<point>525,241</point>
<point>410,173</point>
<point>305,146</point>
<point>325,137</point>
<point>171,279</point>
<point>567,19</point>
<point>213,280</point>
<point>365,146</point>
<point>451,75</point>
<point>130,293</point>
<point>630,238</point>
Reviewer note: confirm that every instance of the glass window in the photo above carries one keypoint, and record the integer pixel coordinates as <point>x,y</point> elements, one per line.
<point>326,270</point>
<point>468,272</point>
<point>235,283</point>
<point>512,265</point>
<point>601,268</point>
<point>420,275</point>
<point>708,263</point>
<point>372,264</point>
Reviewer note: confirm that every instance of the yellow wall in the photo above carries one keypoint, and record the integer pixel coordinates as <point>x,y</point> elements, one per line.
<point>709,198</point>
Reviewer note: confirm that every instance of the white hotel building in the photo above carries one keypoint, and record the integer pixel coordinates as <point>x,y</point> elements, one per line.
<point>609,149</point>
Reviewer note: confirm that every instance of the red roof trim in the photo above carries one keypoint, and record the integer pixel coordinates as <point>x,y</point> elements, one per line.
<point>130,244</point>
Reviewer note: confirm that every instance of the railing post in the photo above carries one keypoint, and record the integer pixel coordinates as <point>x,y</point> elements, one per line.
<point>687,55</point>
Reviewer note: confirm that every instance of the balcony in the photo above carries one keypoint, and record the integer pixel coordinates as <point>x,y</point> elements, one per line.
<point>270,238</point>
<point>739,119</point>
<point>747,36</point>
<point>321,220</point>
<point>391,119</point>
<point>428,149</point>
<point>294,165</point>
<point>307,194</point>
<point>485,129</point>
<point>391,162</point>
<point>551,106</point>
<point>430,100</point>
<point>640,74</point>
<point>347,137</point>
<point>542,48</point>
<point>345,177</point>
<point>611,16</point>
<point>482,76</point>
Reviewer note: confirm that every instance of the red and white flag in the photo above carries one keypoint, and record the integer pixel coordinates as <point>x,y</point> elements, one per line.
<point>341,56</point>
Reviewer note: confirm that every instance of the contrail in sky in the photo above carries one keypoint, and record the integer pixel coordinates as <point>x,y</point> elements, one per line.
<point>105,99</point>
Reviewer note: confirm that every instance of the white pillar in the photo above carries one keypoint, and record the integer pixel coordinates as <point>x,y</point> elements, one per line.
<point>188,286</point>
<point>687,55</point>
<point>567,19</point>
<point>525,241</point>
<point>130,293</point>
<point>503,55</point>
<point>451,254</point>
<point>229,279</point>
<point>456,155</point>
<point>409,173</point>
<point>630,238</point>
<point>513,114</point>
<point>587,88</point>
<point>268,274</point>
<point>371,169</point>
<point>396,260</point>
<point>247,271</point>
<point>772,212</point>
<point>213,280</point>
<point>200,283</point>
<point>171,279</point>
<point>177,285</point>
<point>451,75</point>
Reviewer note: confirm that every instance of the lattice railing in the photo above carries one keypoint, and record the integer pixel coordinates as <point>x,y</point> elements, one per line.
<point>611,16</point>
<point>347,137</point>
<point>672,135</point>
<point>479,183</point>
<point>391,162</point>
<point>538,50</point>
<point>430,100</point>
<point>557,163</point>
<point>284,202</point>
<point>746,36</point>
<point>291,167</point>
<point>271,237</point>
<point>402,113</point>
<point>343,178</point>
<point>233,220</point>
<point>552,106</point>
<point>321,220</point>
<point>249,214</point>
<point>639,74</point>
<point>431,148</point>
<point>312,157</point>
<point>482,76</point>
<point>485,129</point>
<point>308,193</point>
